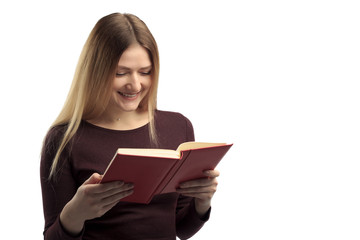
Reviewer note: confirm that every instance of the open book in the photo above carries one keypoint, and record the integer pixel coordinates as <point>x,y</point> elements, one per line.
<point>158,171</point>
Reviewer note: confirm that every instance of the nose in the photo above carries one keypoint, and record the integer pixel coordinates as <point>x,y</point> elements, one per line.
<point>133,84</point>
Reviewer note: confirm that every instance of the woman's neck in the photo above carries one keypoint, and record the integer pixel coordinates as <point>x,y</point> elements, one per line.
<point>122,120</point>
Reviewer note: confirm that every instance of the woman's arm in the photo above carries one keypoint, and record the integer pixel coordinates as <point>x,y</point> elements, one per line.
<point>191,214</point>
<point>67,207</point>
<point>202,190</point>
<point>55,193</point>
<point>188,221</point>
<point>194,205</point>
<point>92,200</point>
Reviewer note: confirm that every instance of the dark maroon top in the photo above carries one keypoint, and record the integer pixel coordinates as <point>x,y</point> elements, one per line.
<point>91,149</point>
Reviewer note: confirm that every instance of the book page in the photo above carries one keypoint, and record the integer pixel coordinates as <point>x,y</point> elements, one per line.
<point>197,145</point>
<point>164,153</point>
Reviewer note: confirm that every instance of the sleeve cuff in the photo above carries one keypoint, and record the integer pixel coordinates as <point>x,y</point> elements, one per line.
<point>66,235</point>
<point>206,216</point>
<point>57,232</point>
<point>194,213</point>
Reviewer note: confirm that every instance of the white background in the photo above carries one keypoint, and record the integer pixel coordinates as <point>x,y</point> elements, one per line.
<point>279,79</point>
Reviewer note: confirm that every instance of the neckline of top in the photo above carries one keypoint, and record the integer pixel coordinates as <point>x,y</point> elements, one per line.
<point>143,127</point>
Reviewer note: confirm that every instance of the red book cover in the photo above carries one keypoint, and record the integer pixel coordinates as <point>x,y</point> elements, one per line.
<point>193,164</point>
<point>160,171</point>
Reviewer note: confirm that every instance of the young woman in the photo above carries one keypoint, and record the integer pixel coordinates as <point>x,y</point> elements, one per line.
<point>112,104</point>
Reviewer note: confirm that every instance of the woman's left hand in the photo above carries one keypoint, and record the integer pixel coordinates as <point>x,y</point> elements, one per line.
<point>202,190</point>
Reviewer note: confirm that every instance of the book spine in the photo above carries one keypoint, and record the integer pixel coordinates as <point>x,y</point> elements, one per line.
<point>193,165</point>
<point>168,176</point>
<point>166,186</point>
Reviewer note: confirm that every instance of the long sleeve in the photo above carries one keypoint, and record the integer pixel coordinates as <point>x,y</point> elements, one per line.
<point>188,222</point>
<point>55,193</point>
<point>92,147</point>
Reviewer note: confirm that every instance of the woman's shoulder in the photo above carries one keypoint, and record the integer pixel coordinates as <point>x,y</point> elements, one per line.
<point>54,135</point>
<point>56,131</point>
<point>169,116</point>
<point>173,124</point>
<point>50,146</point>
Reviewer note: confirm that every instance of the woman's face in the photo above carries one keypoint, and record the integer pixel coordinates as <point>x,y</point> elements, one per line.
<point>133,78</point>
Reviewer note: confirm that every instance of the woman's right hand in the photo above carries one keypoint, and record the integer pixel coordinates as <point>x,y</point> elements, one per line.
<point>92,200</point>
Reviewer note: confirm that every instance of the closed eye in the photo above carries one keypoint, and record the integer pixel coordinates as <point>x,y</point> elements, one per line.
<point>145,73</point>
<point>120,74</point>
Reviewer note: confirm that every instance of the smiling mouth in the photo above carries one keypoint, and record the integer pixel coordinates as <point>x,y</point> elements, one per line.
<point>129,95</point>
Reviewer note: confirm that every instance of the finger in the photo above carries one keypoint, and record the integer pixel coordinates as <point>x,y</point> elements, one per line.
<point>103,187</point>
<point>202,182</point>
<point>108,207</point>
<point>212,173</point>
<point>113,199</point>
<point>107,204</point>
<point>113,191</point>
<point>202,196</point>
<point>194,190</point>
<point>93,179</point>
<point>116,201</point>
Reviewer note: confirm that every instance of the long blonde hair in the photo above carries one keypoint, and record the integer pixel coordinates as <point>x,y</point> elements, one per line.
<point>89,94</point>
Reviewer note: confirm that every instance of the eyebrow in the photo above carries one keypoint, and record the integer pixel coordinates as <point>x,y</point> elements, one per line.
<point>126,68</point>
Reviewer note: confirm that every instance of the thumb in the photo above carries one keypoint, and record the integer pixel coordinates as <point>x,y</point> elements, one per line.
<point>93,179</point>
